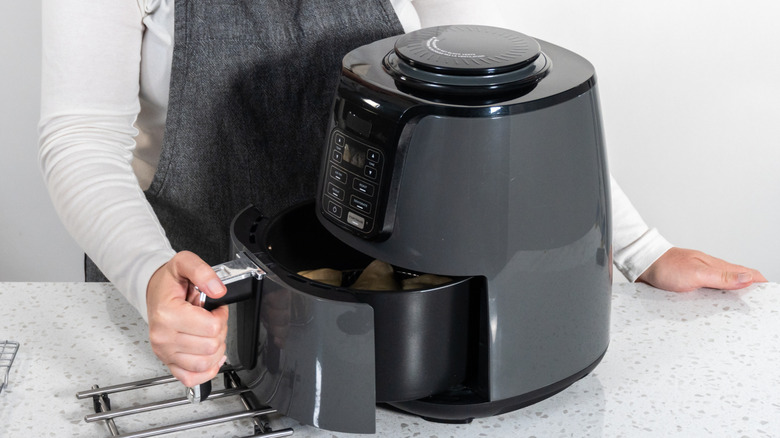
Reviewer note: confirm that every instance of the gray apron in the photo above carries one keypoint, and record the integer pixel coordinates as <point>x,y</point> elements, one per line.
<point>252,84</point>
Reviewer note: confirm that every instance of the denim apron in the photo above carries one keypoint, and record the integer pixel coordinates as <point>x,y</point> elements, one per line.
<point>252,84</point>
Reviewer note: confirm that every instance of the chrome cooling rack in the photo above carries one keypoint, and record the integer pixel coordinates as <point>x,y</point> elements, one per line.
<point>8,351</point>
<point>251,409</point>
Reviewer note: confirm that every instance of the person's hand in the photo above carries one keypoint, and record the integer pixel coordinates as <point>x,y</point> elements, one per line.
<point>683,270</point>
<point>188,339</point>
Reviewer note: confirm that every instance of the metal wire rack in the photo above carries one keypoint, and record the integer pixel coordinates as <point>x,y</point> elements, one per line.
<point>8,351</point>
<point>233,388</point>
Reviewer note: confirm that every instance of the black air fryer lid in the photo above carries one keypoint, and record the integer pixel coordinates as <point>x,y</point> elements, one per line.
<point>466,60</point>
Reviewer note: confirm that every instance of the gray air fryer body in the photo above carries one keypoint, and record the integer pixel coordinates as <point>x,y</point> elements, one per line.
<point>472,176</point>
<point>469,152</point>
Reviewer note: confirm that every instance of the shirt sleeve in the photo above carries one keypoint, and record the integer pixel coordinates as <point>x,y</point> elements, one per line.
<point>89,102</point>
<point>635,246</point>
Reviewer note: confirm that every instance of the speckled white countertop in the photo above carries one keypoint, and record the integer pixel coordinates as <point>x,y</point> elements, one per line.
<point>705,363</point>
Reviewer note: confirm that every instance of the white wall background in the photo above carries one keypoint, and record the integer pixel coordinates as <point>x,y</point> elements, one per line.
<point>33,244</point>
<point>690,93</point>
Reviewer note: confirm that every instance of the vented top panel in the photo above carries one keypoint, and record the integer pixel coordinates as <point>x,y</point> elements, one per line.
<point>467,50</point>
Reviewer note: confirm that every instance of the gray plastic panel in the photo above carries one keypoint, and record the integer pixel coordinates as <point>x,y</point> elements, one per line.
<point>315,359</point>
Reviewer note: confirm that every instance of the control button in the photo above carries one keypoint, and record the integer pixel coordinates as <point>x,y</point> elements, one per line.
<point>334,209</point>
<point>363,187</point>
<point>360,204</point>
<point>355,220</point>
<point>338,174</point>
<point>374,155</point>
<point>339,139</point>
<point>370,172</point>
<point>336,192</point>
<point>337,156</point>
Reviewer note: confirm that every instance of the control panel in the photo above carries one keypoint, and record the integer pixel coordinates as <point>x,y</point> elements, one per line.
<point>353,179</point>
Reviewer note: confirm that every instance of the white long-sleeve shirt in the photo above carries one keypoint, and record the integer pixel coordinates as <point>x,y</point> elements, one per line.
<point>106,68</point>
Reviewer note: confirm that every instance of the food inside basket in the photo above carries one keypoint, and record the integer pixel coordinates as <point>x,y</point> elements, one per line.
<point>377,276</point>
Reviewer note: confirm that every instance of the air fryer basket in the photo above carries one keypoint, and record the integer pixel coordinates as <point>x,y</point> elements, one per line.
<point>422,337</point>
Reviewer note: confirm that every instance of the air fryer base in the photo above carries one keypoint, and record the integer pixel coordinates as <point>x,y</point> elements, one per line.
<point>462,406</point>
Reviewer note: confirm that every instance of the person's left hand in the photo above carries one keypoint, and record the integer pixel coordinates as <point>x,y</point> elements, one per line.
<point>684,270</point>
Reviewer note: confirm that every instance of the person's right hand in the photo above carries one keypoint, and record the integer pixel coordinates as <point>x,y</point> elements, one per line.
<point>188,339</point>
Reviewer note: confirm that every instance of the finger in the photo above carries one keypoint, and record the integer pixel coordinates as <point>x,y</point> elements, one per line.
<point>197,345</point>
<point>197,363</point>
<point>221,313</point>
<point>188,265</point>
<point>758,277</point>
<point>190,378</point>
<point>722,279</point>
<point>187,324</point>
<point>731,267</point>
<point>196,321</point>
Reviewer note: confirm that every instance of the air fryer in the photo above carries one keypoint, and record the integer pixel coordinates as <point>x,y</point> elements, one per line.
<point>470,152</point>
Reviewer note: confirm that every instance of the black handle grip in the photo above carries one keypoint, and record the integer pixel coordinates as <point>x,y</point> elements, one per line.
<point>235,292</point>
<point>243,279</point>
<point>237,275</point>
<point>205,390</point>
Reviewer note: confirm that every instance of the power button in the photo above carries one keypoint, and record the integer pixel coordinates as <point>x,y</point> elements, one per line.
<point>334,209</point>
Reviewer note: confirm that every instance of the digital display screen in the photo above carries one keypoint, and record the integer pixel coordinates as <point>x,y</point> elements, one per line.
<point>354,154</point>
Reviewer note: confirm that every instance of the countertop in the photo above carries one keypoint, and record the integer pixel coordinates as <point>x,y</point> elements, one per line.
<point>703,363</point>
